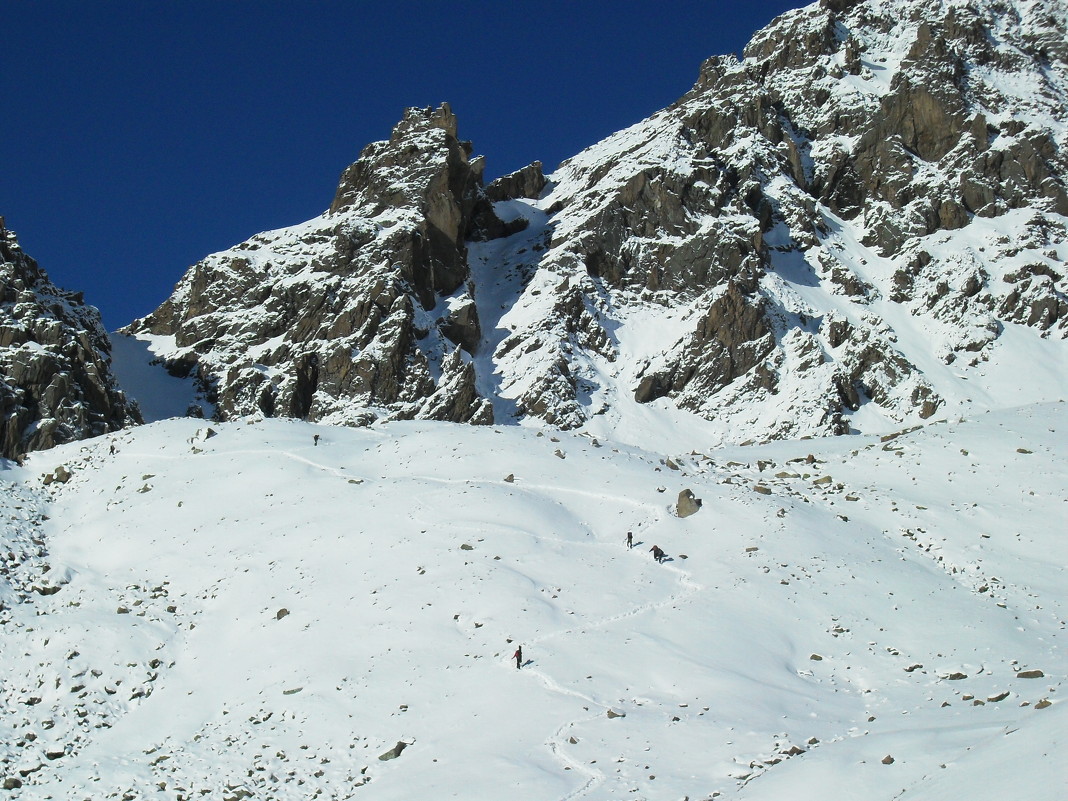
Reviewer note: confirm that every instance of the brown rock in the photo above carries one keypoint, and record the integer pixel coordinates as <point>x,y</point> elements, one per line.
<point>687,504</point>
<point>395,751</point>
<point>525,183</point>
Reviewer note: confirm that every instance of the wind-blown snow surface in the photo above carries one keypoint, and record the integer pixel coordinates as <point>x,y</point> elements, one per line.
<point>252,614</point>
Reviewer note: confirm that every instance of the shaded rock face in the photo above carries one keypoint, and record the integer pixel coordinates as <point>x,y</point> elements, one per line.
<point>357,314</point>
<point>731,339</point>
<point>56,384</point>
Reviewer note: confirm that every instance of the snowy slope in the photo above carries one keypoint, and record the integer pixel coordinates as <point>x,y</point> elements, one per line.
<point>272,608</point>
<point>254,615</point>
<point>137,363</point>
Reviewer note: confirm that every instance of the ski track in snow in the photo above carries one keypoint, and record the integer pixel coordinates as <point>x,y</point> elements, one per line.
<point>555,740</point>
<point>689,588</point>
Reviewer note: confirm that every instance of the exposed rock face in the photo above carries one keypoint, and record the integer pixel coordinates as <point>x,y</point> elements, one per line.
<point>525,183</point>
<point>731,338</point>
<point>56,384</point>
<point>836,233</point>
<point>358,313</point>
<point>814,232</point>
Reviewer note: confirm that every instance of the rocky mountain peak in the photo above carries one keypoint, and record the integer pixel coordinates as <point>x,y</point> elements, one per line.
<point>798,208</point>
<point>839,231</point>
<point>424,166</point>
<point>423,119</point>
<point>56,384</point>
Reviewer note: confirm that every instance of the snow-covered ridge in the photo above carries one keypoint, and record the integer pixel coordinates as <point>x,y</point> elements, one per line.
<point>355,314</point>
<point>869,182</point>
<point>859,225</point>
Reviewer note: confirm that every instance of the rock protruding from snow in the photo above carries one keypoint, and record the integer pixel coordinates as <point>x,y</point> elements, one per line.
<point>394,752</point>
<point>687,504</point>
<point>527,182</point>
<point>56,384</point>
<point>358,313</point>
<point>842,222</point>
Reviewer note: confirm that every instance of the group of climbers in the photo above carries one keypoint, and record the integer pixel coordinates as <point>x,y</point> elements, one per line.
<point>656,550</point>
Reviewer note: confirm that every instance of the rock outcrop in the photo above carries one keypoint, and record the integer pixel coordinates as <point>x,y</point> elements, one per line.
<point>837,232</point>
<point>528,182</point>
<point>873,193</point>
<point>363,312</point>
<point>56,384</point>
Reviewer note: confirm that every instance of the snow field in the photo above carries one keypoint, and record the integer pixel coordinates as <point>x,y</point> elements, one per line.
<point>269,616</point>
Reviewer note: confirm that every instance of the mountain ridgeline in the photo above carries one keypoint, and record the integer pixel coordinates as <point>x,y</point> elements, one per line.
<point>55,376</point>
<point>357,309</point>
<point>838,232</point>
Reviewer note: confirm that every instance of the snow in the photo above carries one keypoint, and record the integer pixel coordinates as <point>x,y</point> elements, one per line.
<point>251,610</point>
<point>263,608</point>
<point>159,395</point>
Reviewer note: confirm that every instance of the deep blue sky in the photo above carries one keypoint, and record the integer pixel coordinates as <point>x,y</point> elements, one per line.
<point>137,137</point>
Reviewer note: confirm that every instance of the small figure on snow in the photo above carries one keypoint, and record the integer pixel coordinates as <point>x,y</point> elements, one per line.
<point>658,554</point>
<point>315,439</point>
<point>630,539</point>
<point>518,657</point>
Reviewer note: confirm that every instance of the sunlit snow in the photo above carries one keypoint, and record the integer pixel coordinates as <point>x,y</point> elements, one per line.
<point>259,610</point>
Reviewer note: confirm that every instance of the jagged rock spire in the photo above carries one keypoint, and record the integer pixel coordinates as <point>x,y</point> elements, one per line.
<point>56,384</point>
<point>341,319</point>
